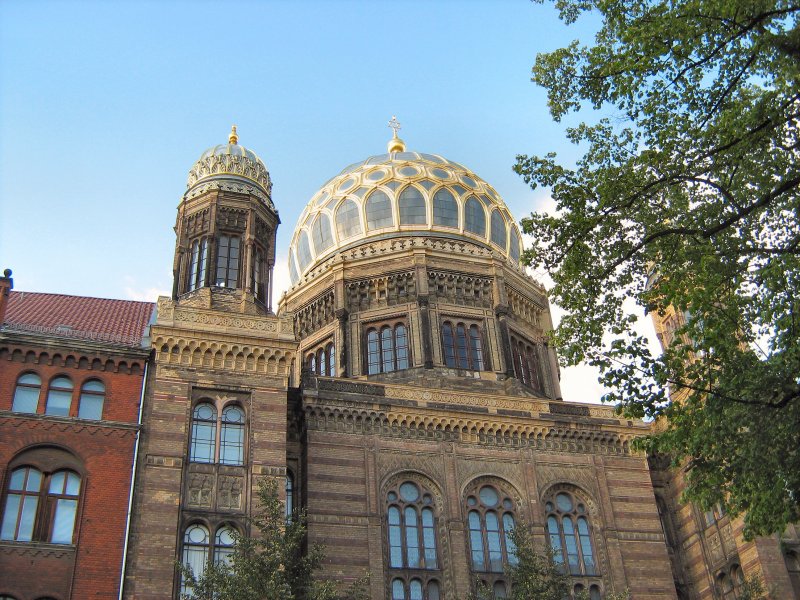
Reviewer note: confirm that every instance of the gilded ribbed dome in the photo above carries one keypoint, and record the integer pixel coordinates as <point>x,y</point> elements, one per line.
<point>401,194</point>
<point>230,161</point>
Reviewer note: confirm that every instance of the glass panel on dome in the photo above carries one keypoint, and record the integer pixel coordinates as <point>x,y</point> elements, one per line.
<point>321,233</point>
<point>379,211</point>
<point>352,167</point>
<point>333,202</point>
<point>346,185</point>
<point>413,210</point>
<point>348,221</point>
<point>360,191</point>
<point>405,156</point>
<point>474,217</point>
<point>293,275</point>
<point>377,175</point>
<point>378,159</point>
<point>459,190</point>
<point>432,158</point>
<point>445,209</point>
<point>499,235</point>
<point>513,249</point>
<point>392,185</point>
<point>321,198</point>
<point>426,183</point>
<point>440,173</point>
<point>468,181</point>
<point>303,251</point>
<point>408,171</point>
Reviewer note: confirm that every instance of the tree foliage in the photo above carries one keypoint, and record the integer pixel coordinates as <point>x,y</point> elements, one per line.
<point>271,564</point>
<point>686,196</point>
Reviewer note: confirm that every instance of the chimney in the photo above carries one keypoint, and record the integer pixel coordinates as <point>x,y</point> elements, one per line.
<point>6,285</point>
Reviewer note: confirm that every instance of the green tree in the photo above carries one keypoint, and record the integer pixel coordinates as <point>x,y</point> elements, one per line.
<point>686,195</point>
<point>535,573</point>
<point>272,564</point>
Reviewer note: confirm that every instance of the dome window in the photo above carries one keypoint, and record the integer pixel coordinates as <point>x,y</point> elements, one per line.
<point>377,175</point>
<point>293,275</point>
<point>408,171</point>
<point>412,207</point>
<point>475,217</point>
<point>379,211</point>
<point>321,232</point>
<point>303,251</point>
<point>348,222</point>
<point>440,173</point>
<point>468,181</point>
<point>499,235</point>
<point>513,249</point>
<point>346,184</point>
<point>445,209</point>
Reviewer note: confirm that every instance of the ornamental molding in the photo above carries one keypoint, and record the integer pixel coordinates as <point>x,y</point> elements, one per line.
<point>507,475</point>
<point>230,164</point>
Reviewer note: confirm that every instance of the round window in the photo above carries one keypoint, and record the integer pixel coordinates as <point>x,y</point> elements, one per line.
<point>409,492</point>
<point>489,496</point>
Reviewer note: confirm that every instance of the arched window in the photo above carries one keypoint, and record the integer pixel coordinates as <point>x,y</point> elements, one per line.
<point>569,533</point>
<point>59,397</point>
<point>348,222</point>
<point>289,494</point>
<point>28,516</point>
<point>413,210</point>
<point>526,364</point>
<point>311,362</point>
<point>197,265</point>
<point>490,521</point>
<point>204,433</point>
<point>387,349</point>
<point>379,211</point>
<point>474,217</point>
<point>303,251</point>
<point>329,349</point>
<point>322,362</point>
<point>91,401</point>
<point>321,232</point>
<point>294,276</point>
<point>411,533</point>
<point>513,248</point>
<point>26,394</point>
<point>223,544</point>
<point>445,209</point>
<point>259,277</point>
<point>196,546</point>
<point>231,440</point>
<point>499,235</point>
<point>463,346</point>
<point>228,261</point>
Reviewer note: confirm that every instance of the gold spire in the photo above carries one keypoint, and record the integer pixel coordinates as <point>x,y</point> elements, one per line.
<point>395,144</point>
<point>233,138</point>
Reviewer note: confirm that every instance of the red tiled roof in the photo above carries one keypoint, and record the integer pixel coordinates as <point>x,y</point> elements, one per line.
<point>100,319</point>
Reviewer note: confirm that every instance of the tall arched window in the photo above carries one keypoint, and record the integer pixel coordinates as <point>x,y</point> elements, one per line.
<point>228,261</point>
<point>31,514</point>
<point>379,211</point>
<point>26,394</point>
<point>196,546</point>
<point>303,251</point>
<point>223,544</point>
<point>91,401</point>
<point>411,536</point>
<point>413,210</point>
<point>526,364</point>
<point>259,277</point>
<point>321,233</point>
<point>387,349</point>
<point>499,235</point>
<point>197,265</point>
<point>322,361</point>
<point>348,222</point>
<point>289,494</point>
<point>474,217</point>
<point>445,209</point>
<point>570,534</point>
<point>331,360</point>
<point>204,433</point>
<point>59,397</point>
<point>231,439</point>
<point>490,521</point>
<point>513,247</point>
<point>463,348</point>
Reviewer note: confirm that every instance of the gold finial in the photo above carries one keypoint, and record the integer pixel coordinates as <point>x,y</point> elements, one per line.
<point>395,144</point>
<point>233,138</point>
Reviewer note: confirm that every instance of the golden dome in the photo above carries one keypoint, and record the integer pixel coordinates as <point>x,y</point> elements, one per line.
<point>401,194</point>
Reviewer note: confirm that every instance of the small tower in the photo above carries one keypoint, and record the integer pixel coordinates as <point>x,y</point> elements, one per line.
<point>226,227</point>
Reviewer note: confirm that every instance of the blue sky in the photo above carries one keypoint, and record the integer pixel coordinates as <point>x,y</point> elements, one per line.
<point>104,107</point>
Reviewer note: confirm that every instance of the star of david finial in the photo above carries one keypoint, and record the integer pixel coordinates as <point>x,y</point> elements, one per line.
<point>394,124</point>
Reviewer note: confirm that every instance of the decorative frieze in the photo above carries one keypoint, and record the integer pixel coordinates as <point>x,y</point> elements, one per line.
<point>379,292</point>
<point>315,315</point>
<point>460,289</point>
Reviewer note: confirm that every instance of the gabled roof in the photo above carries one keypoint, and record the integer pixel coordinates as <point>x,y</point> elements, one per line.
<point>99,319</point>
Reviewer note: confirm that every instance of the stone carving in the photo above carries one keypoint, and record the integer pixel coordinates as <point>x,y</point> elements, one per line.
<point>229,164</point>
<point>562,408</point>
<point>506,475</point>
<point>230,186</point>
<point>197,223</point>
<point>353,388</point>
<point>264,324</point>
<point>200,487</point>
<point>378,292</point>
<point>394,462</point>
<point>314,315</point>
<point>461,289</point>
<point>579,477</point>
<point>526,309</point>
<point>230,492</point>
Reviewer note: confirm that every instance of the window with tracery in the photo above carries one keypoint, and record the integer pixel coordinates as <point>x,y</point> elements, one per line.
<point>412,542</point>
<point>387,348</point>
<point>569,532</point>
<point>527,368</point>
<point>206,446</point>
<point>198,265</point>
<point>445,209</point>
<point>730,581</point>
<point>463,346</point>
<point>413,209</point>
<point>199,549</point>
<point>379,211</point>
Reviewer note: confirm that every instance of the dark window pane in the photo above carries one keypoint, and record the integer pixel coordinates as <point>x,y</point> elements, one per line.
<point>373,352</point>
<point>448,344</point>
<point>303,251</point>
<point>499,229</point>
<point>401,347</point>
<point>461,347</point>
<point>412,207</point>
<point>445,209</point>
<point>474,217</point>
<point>379,211</point>
<point>348,221</point>
<point>321,231</point>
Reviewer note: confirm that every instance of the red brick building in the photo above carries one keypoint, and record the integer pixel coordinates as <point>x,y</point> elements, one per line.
<point>71,376</point>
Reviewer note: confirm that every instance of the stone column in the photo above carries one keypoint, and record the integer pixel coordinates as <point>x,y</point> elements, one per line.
<point>501,311</point>
<point>342,315</point>
<point>425,326</point>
